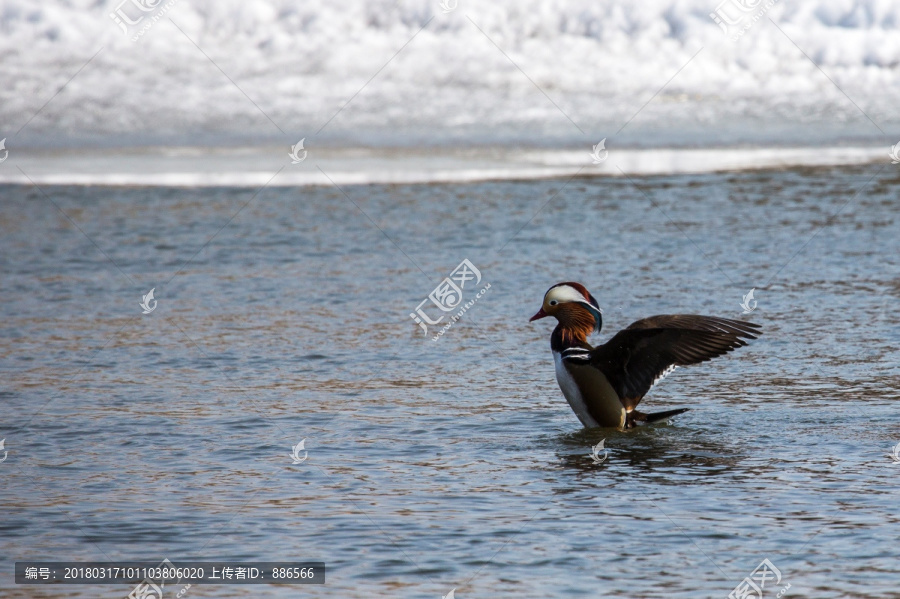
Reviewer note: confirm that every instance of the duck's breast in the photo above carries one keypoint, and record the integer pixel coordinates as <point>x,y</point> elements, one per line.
<point>589,394</point>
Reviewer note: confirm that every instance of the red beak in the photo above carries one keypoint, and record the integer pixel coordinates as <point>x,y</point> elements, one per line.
<point>540,314</point>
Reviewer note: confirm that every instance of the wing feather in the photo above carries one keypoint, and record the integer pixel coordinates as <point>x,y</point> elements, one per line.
<point>638,356</point>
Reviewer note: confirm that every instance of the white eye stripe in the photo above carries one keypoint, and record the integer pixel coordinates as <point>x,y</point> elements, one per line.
<point>566,293</point>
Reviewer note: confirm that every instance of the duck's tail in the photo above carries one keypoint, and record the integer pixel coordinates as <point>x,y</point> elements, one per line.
<point>635,417</point>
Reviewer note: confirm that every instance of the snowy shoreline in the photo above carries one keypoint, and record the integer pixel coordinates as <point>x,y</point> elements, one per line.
<point>272,166</point>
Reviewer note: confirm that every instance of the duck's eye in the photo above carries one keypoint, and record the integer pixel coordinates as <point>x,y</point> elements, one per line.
<point>553,302</point>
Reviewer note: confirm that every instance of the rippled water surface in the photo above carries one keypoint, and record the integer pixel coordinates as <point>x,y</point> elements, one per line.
<point>455,463</point>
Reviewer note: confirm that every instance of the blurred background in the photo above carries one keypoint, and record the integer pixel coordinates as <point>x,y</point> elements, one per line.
<point>406,73</point>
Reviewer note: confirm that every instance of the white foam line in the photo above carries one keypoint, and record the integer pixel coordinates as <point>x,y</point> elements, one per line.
<point>404,167</point>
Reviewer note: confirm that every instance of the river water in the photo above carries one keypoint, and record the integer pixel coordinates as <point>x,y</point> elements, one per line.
<point>284,315</point>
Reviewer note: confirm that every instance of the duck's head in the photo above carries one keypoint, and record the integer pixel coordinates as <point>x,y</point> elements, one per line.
<point>573,306</point>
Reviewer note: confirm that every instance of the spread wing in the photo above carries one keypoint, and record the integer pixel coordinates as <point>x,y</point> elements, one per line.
<point>637,357</point>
